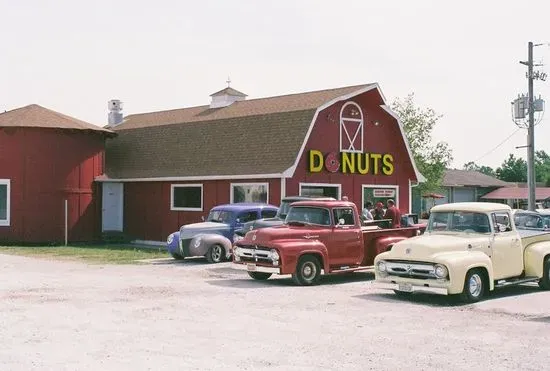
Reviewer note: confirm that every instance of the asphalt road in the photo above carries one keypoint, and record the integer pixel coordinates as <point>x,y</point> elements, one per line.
<point>62,315</point>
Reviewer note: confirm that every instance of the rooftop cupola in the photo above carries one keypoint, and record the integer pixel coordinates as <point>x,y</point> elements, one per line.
<point>226,97</point>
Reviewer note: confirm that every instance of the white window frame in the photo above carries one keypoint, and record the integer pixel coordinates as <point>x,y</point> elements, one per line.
<point>7,183</point>
<point>233,185</point>
<point>174,186</point>
<point>327,185</point>
<point>396,187</point>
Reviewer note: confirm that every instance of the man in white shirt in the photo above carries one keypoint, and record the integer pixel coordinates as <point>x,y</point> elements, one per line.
<point>367,215</point>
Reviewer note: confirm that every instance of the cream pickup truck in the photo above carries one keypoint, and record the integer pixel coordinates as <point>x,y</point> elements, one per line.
<point>468,249</point>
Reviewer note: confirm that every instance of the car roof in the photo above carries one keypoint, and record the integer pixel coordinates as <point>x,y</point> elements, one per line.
<point>306,198</point>
<point>482,207</point>
<point>238,206</point>
<point>324,203</point>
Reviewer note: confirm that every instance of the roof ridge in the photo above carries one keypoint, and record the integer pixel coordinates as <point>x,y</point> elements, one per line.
<point>255,99</point>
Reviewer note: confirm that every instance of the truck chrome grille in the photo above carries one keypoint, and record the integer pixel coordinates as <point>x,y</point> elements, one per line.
<point>410,269</point>
<point>253,253</point>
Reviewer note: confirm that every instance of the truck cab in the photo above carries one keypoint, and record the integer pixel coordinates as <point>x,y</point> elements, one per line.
<point>468,249</point>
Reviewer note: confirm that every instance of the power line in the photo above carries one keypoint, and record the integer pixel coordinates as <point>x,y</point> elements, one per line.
<point>501,143</point>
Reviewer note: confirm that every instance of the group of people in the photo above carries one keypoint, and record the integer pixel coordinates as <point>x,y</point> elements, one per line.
<point>378,213</point>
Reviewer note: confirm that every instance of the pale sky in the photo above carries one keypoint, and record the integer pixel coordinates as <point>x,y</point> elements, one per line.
<point>459,58</point>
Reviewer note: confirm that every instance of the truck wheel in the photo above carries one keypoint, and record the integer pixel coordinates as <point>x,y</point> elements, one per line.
<point>474,286</point>
<point>215,254</point>
<point>177,256</point>
<point>308,271</point>
<point>260,276</point>
<point>544,282</point>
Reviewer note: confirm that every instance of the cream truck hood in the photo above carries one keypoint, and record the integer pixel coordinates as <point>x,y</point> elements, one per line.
<point>427,246</point>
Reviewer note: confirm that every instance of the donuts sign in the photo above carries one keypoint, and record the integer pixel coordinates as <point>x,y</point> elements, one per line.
<point>351,159</point>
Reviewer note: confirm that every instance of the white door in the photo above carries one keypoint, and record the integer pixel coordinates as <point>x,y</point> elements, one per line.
<point>112,207</point>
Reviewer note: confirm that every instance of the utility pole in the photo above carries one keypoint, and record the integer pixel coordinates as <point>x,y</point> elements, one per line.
<point>531,179</point>
<point>531,105</point>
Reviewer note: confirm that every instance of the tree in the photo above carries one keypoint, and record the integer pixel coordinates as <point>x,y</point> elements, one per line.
<point>542,167</point>
<point>431,159</point>
<point>472,166</point>
<point>513,170</point>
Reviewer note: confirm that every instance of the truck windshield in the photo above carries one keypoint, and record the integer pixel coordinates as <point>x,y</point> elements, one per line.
<point>220,216</point>
<point>458,221</point>
<point>308,215</point>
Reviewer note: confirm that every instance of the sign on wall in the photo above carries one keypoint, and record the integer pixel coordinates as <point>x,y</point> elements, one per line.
<point>381,192</point>
<point>352,158</point>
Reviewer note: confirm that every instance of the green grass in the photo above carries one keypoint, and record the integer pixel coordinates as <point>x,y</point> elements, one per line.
<point>100,254</point>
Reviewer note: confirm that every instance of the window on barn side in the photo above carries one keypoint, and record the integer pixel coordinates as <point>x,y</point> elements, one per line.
<point>4,202</point>
<point>249,192</point>
<point>186,197</point>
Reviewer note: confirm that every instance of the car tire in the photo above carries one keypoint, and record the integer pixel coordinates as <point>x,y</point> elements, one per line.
<point>215,254</point>
<point>260,276</point>
<point>474,286</point>
<point>544,282</point>
<point>308,271</point>
<point>177,256</point>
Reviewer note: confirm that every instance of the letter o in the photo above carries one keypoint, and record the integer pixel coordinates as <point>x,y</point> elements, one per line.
<point>331,162</point>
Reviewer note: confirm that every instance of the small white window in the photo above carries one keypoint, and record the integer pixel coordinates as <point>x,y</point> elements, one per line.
<point>249,192</point>
<point>186,197</point>
<point>321,190</point>
<point>4,202</point>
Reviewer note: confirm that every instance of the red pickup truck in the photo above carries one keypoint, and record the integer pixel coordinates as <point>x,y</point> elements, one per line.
<point>317,237</point>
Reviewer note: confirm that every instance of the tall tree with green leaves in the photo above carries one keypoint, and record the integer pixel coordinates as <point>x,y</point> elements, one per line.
<point>432,159</point>
<point>513,169</point>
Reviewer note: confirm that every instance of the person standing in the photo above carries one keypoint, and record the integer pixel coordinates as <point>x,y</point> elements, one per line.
<point>393,213</point>
<point>367,215</point>
<point>378,213</point>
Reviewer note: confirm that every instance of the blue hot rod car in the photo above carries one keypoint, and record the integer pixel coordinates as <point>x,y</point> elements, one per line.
<point>213,238</point>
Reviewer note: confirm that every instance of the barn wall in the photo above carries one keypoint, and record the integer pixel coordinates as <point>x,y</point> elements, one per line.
<point>147,214</point>
<point>384,138</point>
<point>47,166</point>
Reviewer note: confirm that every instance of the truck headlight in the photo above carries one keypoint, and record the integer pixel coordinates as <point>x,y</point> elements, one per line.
<point>198,241</point>
<point>236,251</point>
<point>274,255</point>
<point>237,237</point>
<point>381,266</point>
<point>440,271</point>
<point>170,239</point>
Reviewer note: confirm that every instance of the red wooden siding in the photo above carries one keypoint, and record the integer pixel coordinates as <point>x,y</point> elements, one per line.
<point>147,214</point>
<point>47,166</point>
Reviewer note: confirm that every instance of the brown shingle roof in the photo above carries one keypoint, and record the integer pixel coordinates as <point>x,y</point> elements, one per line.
<point>457,178</point>
<point>236,146</point>
<point>251,107</point>
<point>36,116</point>
<point>258,136</point>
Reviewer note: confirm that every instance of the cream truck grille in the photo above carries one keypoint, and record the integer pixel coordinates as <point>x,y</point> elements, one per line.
<point>411,269</point>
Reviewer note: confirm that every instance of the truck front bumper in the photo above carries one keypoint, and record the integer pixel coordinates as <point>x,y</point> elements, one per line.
<point>251,267</point>
<point>411,286</point>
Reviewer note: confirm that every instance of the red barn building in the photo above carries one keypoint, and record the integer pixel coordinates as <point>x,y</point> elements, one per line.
<point>48,162</point>
<point>168,168</point>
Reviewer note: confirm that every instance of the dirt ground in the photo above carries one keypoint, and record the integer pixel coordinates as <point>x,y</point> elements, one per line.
<point>65,315</point>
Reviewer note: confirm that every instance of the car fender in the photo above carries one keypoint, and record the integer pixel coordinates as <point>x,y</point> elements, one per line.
<point>383,243</point>
<point>459,263</point>
<point>534,256</point>
<point>174,245</point>
<point>200,244</point>
<point>291,251</point>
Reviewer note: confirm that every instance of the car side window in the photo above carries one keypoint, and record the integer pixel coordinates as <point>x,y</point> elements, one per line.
<point>268,213</point>
<point>346,214</point>
<point>501,221</point>
<point>248,216</point>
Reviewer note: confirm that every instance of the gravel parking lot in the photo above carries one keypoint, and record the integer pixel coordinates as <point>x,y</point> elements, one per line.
<point>66,315</point>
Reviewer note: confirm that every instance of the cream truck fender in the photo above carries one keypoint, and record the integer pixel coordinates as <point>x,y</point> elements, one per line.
<point>534,256</point>
<point>459,263</point>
